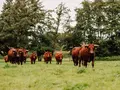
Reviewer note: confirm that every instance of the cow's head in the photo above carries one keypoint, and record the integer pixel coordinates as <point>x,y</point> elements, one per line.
<point>91,48</point>
<point>13,52</point>
<point>20,52</point>
<point>25,52</point>
<point>48,54</point>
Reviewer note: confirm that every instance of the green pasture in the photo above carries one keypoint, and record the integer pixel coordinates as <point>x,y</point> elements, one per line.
<point>41,76</point>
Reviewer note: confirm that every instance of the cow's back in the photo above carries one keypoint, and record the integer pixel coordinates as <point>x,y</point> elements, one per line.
<point>84,52</point>
<point>12,52</point>
<point>75,51</point>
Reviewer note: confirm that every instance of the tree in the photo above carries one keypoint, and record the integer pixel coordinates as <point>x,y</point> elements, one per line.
<point>62,18</point>
<point>98,20</point>
<point>17,21</point>
<point>84,22</point>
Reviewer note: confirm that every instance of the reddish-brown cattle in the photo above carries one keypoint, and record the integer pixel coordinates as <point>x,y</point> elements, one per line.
<point>33,57</point>
<point>87,54</point>
<point>47,57</point>
<point>75,54</point>
<point>6,58</point>
<point>59,57</point>
<point>17,55</point>
<point>25,54</point>
<point>22,55</point>
<point>12,55</point>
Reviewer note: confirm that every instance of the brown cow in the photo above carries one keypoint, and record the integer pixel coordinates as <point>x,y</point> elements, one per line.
<point>47,57</point>
<point>17,55</point>
<point>75,54</point>
<point>6,58</point>
<point>59,57</point>
<point>25,55</point>
<point>33,57</point>
<point>22,55</point>
<point>87,54</point>
<point>12,55</point>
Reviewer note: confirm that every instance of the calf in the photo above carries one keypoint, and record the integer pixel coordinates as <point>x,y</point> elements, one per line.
<point>59,57</point>
<point>33,57</point>
<point>47,57</point>
<point>25,54</point>
<point>12,55</point>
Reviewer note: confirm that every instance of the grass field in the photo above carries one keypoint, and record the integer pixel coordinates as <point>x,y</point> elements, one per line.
<point>41,76</point>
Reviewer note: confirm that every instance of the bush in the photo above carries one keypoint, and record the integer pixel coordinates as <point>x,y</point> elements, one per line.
<point>108,48</point>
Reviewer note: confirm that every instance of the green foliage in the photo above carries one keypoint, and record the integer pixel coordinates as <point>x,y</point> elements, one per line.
<point>98,19</point>
<point>47,49</point>
<point>108,48</point>
<point>16,21</point>
<point>61,21</point>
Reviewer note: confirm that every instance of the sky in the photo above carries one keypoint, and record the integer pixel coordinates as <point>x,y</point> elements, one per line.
<point>52,4</point>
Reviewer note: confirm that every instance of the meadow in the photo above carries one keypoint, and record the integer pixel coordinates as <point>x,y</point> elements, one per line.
<point>41,76</point>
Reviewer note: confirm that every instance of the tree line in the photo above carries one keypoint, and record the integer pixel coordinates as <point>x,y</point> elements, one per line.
<point>25,23</point>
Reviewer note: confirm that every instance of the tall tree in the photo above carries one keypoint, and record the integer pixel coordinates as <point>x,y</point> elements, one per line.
<point>84,22</point>
<point>99,19</point>
<point>61,19</point>
<point>17,19</point>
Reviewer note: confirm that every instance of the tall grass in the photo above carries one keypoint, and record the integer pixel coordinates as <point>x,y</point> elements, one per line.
<point>41,76</point>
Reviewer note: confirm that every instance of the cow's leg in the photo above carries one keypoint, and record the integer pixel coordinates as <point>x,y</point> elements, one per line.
<point>85,64</point>
<point>38,58</point>
<point>31,62</point>
<point>76,61</point>
<point>92,63</point>
<point>34,61</point>
<point>13,60</point>
<point>24,59</point>
<point>50,61</point>
<point>21,62</point>
<point>79,62</point>
<point>60,62</point>
<point>73,60</point>
<point>46,62</point>
<point>18,61</point>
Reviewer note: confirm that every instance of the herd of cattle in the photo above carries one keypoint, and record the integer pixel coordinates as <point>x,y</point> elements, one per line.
<point>19,56</point>
<point>80,55</point>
